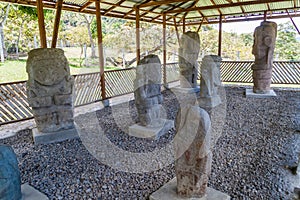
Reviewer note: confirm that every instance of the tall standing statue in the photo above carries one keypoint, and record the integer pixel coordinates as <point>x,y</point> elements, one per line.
<point>10,180</point>
<point>193,151</point>
<point>188,59</point>
<point>50,91</point>
<point>210,81</point>
<point>147,90</point>
<point>263,50</point>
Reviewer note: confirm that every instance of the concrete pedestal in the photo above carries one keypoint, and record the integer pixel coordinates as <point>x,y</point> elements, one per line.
<point>250,93</point>
<point>168,192</point>
<point>153,132</point>
<point>29,193</point>
<point>186,90</point>
<point>58,136</point>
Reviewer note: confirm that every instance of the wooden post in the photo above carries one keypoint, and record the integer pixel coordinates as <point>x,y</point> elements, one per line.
<point>183,25</point>
<point>137,35</point>
<point>56,23</point>
<point>164,51</point>
<point>39,5</point>
<point>265,16</point>
<point>100,49</point>
<point>200,26</point>
<point>220,37</point>
<point>176,29</point>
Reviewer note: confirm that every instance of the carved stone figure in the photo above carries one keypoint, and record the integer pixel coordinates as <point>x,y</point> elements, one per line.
<point>188,59</point>
<point>147,90</point>
<point>263,50</point>
<point>50,89</point>
<point>192,150</point>
<point>210,80</point>
<point>10,181</point>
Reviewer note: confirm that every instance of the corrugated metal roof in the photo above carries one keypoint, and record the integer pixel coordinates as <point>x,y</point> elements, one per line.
<point>192,10</point>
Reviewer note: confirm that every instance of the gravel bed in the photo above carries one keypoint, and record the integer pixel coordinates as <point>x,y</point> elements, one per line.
<point>260,138</point>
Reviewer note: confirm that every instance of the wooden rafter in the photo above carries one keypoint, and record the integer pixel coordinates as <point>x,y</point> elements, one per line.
<point>133,9</point>
<point>191,6</point>
<point>213,2</point>
<point>295,25</point>
<point>155,3</point>
<point>85,5</point>
<point>112,7</point>
<point>224,6</point>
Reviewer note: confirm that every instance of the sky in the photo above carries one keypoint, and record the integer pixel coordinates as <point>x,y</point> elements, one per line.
<point>248,27</point>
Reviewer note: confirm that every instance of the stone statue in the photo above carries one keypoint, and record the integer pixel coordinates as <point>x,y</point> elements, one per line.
<point>147,90</point>
<point>50,89</point>
<point>210,81</point>
<point>188,59</point>
<point>10,181</point>
<point>192,150</point>
<point>263,50</point>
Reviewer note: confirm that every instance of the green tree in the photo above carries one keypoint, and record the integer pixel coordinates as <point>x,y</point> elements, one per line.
<point>287,46</point>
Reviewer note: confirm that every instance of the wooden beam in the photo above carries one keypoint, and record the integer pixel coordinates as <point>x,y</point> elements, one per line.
<point>155,3</point>
<point>295,25</point>
<point>137,35</point>
<point>265,16</point>
<point>100,49</point>
<point>220,37</point>
<point>164,50</point>
<point>112,7</point>
<point>183,24</point>
<point>85,6</point>
<point>200,25</point>
<point>56,23</point>
<point>224,6</point>
<point>41,21</point>
<point>176,29</point>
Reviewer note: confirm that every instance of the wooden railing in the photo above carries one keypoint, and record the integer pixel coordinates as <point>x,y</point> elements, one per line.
<point>14,105</point>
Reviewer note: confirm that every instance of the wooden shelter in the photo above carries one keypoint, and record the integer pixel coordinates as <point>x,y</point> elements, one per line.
<point>178,13</point>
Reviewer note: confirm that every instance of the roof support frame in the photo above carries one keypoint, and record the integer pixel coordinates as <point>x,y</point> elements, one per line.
<point>100,49</point>
<point>56,23</point>
<point>295,25</point>
<point>41,22</point>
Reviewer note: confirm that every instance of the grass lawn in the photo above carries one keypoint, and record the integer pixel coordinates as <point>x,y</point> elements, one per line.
<point>15,70</point>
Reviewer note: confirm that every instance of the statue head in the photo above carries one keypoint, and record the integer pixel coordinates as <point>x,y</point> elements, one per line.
<point>264,42</point>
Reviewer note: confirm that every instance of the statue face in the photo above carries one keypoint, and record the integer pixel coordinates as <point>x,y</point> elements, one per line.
<point>49,73</point>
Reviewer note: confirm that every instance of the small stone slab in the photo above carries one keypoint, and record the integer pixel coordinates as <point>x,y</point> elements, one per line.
<point>29,193</point>
<point>156,132</point>
<point>58,136</point>
<point>186,90</point>
<point>168,191</point>
<point>250,93</point>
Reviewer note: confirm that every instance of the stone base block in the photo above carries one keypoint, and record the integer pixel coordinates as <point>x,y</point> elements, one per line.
<point>186,90</point>
<point>58,136</point>
<point>29,193</point>
<point>209,102</point>
<point>168,191</point>
<point>105,103</point>
<point>250,93</point>
<point>153,132</point>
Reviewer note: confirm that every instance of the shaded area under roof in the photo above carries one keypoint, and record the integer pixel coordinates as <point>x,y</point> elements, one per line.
<point>191,12</point>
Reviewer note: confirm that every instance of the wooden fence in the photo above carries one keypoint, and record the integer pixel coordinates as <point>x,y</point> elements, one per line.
<point>13,99</point>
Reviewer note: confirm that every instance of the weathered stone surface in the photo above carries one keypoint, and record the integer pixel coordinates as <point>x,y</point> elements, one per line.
<point>192,148</point>
<point>188,59</point>
<point>263,50</point>
<point>10,182</point>
<point>50,89</point>
<point>210,81</point>
<point>147,90</point>
<point>168,192</point>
